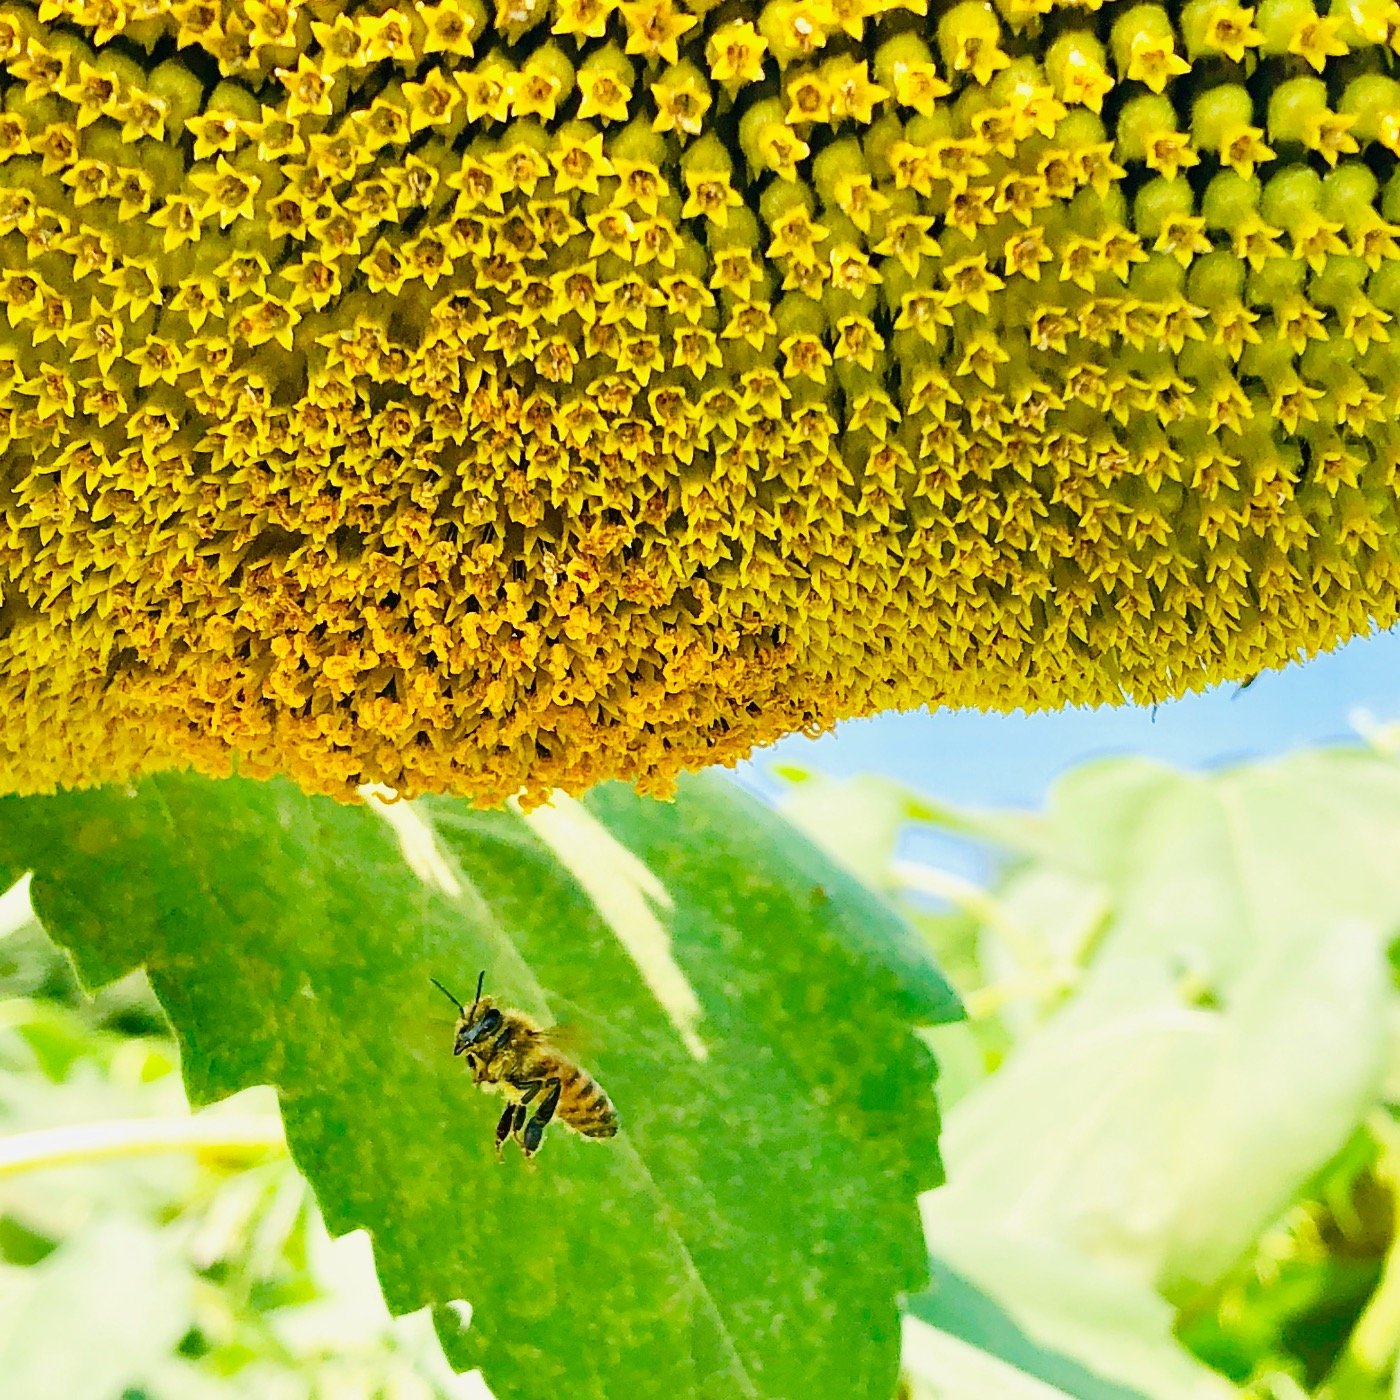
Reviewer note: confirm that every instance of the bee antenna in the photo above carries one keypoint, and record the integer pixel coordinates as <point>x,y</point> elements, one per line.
<point>448,995</point>
<point>480,982</point>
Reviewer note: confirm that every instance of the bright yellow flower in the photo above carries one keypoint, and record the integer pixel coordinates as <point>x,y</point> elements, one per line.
<point>736,53</point>
<point>309,88</point>
<point>655,27</point>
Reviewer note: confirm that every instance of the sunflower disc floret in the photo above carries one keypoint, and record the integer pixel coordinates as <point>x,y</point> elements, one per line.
<point>493,397</point>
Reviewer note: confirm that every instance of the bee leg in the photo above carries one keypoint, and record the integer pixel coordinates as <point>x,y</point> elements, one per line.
<point>513,1119</point>
<point>534,1129</point>
<point>504,1128</point>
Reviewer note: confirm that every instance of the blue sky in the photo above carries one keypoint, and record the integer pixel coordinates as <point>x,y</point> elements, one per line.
<point>1010,760</point>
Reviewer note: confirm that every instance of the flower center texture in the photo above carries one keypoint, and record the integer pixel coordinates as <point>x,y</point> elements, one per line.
<point>495,399</point>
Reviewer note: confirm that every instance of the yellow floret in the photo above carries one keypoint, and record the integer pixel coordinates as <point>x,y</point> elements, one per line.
<point>496,397</point>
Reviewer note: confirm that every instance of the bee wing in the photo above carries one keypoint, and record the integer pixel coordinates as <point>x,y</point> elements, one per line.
<point>565,1036</point>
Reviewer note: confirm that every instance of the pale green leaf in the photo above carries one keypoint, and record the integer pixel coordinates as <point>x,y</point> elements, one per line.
<point>942,1366</point>
<point>1048,1314</point>
<point>1230,1030</point>
<point>96,1316</point>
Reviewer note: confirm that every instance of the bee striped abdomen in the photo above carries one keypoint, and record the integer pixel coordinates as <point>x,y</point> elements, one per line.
<point>585,1107</point>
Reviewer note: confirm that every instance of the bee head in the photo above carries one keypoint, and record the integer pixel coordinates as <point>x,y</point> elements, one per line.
<point>485,1018</point>
<point>474,1025</point>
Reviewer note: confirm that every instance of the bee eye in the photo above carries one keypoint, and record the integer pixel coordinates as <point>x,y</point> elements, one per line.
<point>468,1036</point>
<point>472,1061</point>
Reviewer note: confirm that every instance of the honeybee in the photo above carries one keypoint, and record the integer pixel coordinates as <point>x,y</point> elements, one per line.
<point>508,1054</point>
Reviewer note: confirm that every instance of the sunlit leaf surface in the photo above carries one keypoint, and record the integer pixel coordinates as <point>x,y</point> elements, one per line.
<point>746,1004</point>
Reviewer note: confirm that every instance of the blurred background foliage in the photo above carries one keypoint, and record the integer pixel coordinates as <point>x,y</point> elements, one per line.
<point>1170,1130</point>
<point>1171,1119</point>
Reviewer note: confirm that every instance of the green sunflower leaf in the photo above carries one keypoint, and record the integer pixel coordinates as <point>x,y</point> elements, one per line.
<point>748,1006</point>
